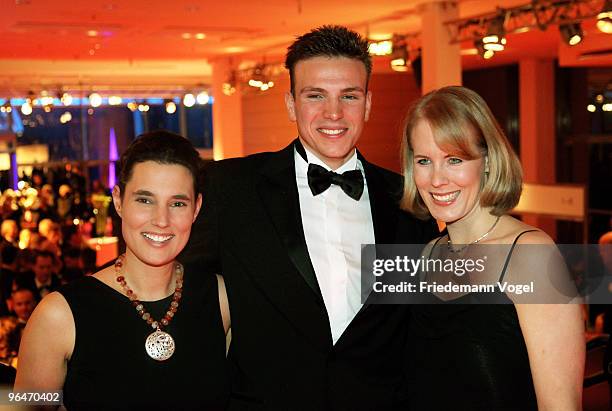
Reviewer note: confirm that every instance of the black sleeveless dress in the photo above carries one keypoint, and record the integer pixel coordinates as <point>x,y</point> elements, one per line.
<point>469,357</point>
<point>110,369</point>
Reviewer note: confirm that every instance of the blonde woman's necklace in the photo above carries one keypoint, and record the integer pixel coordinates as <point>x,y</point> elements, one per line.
<point>449,243</point>
<point>159,345</point>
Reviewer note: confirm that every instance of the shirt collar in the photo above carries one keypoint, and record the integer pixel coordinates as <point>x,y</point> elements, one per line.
<point>302,165</point>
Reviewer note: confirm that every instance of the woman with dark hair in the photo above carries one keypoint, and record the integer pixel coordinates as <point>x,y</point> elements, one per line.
<point>140,333</point>
<point>513,354</point>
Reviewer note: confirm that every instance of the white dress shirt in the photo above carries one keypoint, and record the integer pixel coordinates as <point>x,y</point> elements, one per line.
<point>335,227</point>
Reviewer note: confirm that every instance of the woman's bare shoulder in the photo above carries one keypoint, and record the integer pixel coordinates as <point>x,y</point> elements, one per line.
<point>523,233</point>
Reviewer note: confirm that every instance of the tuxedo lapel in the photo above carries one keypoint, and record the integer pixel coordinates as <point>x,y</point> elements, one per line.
<point>382,204</point>
<point>384,210</point>
<point>280,197</point>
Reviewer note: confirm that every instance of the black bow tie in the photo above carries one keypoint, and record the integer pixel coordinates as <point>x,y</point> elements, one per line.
<point>319,180</point>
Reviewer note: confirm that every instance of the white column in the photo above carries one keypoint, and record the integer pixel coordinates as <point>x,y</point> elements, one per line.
<point>228,135</point>
<point>441,60</point>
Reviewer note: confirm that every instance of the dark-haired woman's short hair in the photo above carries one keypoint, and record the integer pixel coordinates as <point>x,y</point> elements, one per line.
<point>462,122</point>
<point>328,41</point>
<point>163,147</point>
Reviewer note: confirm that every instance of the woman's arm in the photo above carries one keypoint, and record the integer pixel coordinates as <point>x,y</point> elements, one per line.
<point>224,304</point>
<point>554,335</point>
<point>46,346</point>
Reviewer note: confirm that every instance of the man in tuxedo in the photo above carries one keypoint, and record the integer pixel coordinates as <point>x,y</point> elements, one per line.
<point>41,279</point>
<point>285,230</point>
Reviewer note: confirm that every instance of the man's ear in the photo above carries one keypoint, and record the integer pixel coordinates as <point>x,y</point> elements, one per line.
<point>290,104</point>
<point>368,106</point>
<point>117,199</point>
<point>198,205</point>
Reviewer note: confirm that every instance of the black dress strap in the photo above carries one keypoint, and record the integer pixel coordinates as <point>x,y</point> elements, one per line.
<point>501,278</point>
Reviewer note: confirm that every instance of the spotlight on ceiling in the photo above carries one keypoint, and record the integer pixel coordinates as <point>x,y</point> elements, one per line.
<point>114,100</point>
<point>229,86</point>
<point>495,37</point>
<point>170,107</point>
<point>399,58</point>
<point>203,98</point>
<point>604,18</point>
<point>381,47</point>
<point>571,33</point>
<point>66,117</point>
<point>482,52</point>
<point>26,108</point>
<point>66,99</point>
<point>95,100</point>
<point>189,100</point>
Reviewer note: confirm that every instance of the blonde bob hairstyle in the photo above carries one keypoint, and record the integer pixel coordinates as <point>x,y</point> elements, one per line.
<point>463,125</point>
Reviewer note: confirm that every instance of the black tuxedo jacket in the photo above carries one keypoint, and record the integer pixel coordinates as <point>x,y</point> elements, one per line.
<point>281,355</point>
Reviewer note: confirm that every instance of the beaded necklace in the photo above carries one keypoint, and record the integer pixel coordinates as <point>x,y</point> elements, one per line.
<point>159,344</point>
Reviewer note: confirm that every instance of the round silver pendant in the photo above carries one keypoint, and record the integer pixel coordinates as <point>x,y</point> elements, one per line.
<point>159,345</point>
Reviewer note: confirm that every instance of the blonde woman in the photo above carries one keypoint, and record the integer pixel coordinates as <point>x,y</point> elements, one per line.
<point>460,169</point>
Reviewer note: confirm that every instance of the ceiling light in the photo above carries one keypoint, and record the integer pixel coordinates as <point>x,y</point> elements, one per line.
<point>66,117</point>
<point>189,100</point>
<point>591,108</point>
<point>604,18</point>
<point>482,52</point>
<point>95,100</point>
<point>6,108</point>
<point>399,58</point>
<point>170,107</point>
<point>114,100</point>
<point>571,33</point>
<point>92,33</point>
<point>26,108</point>
<point>186,36</point>
<point>203,98</point>
<point>381,48</point>
<point>200,36</point>
<point>132,106</point>
<point>399,64</point>
<point>607,107</point>
<point>495,37</point>
<point>229,87</point>
<point>66,99</point>
<point>599,98</point>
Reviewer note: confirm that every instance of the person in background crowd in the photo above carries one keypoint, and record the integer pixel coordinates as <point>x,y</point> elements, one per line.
<point>9,209</point>
<point>23,304</point>
<point>10,337</point>
<point>46,205</point>
<point>37,179</point>
<point>41,280</point>
<point>72,267</point>
<point>8,272</point>
<point>460,168</point>
<point>10,232</point>
<point>65,203</point>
